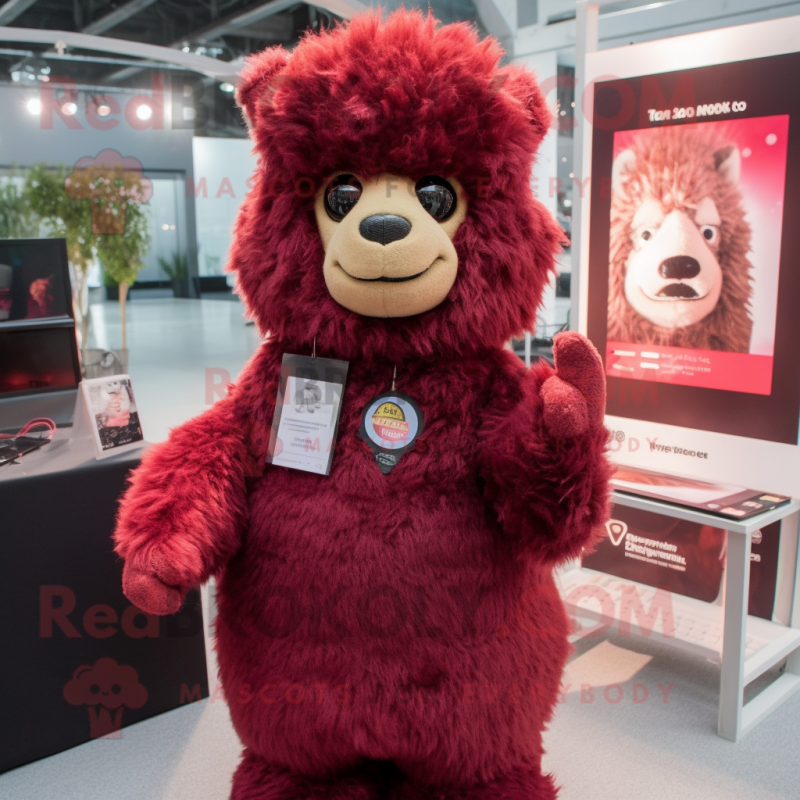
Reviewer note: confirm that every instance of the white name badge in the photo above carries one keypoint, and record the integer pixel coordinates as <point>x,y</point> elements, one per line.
<point>307,412</point>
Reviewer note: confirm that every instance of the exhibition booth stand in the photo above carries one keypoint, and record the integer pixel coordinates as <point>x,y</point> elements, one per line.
<point>688,289</point>
<point>707,610</point>
<point>80,661</point>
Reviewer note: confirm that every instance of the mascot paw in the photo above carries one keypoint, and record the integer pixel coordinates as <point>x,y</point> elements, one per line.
<point>148,592</point>
<point>574,399</point>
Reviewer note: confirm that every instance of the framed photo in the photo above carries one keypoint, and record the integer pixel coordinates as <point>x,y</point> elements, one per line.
<point>109,408</point>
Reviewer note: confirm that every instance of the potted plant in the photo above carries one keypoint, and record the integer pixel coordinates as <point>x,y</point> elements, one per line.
<point>122,255</point>
<point>177,270</point>
<point>112,183</point>
<point>97,206</point>
<point>61,215</point>
<point>17,219</point>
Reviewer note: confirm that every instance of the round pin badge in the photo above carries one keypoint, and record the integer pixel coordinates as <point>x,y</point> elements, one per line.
<point>390,425</point>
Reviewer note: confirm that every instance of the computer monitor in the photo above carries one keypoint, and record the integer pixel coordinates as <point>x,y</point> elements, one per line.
<point>689,249</point>
<point>39,363</point>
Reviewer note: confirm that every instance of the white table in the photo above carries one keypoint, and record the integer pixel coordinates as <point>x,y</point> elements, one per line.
<point>749,646</point>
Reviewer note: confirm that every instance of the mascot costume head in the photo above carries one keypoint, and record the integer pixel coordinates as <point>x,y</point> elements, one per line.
<point>679,273</point>
<point>392,213</point>
<point>362,613</point>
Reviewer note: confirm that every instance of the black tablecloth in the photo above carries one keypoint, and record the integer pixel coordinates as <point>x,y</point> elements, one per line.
<point>77,661</point>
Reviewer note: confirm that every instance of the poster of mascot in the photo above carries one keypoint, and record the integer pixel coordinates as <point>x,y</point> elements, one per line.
<point>694,254</point>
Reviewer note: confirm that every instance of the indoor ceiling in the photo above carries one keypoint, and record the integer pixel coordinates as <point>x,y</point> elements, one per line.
<point>224,30</point>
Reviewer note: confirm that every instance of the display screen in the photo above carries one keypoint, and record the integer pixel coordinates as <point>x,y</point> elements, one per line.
<point>36,360</point>
<point>34,283</point>
<point>38,350</point>
<point>693,293</point>
<point>695,253</point>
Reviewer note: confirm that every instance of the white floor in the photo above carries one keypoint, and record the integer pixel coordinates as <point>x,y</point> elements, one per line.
<point>598,748</point>
<point>178,349</point>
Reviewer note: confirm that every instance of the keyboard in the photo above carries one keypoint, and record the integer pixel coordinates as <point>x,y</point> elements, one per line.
<point>695,625</point>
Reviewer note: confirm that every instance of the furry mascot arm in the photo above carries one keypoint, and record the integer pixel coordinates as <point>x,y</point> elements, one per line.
<point>180,518</point>
<point>543,450</point>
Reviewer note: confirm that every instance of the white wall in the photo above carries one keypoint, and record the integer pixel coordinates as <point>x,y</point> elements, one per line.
<point>546,167</point>
<point>222,169</point>
<point>545,170</point>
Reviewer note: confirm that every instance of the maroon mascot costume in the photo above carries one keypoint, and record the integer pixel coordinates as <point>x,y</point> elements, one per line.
<point>387,632</point>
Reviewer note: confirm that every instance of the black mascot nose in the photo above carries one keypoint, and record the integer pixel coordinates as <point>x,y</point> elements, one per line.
<point>679,268</point>
<point>384,228</point>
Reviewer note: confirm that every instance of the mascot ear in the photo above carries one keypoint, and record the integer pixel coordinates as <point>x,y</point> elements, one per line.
<point>520,87</point>
<point>623,163</point>
<point>258,78</point>
<point>728,162</point>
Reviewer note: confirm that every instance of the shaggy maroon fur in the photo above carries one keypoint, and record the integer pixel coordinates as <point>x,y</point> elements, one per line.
<point>403,625</point>
<point>257,780</point>
<point>679,169</point>
<point>517,785</point>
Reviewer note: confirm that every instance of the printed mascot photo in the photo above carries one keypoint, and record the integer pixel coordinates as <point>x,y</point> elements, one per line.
<point>363,614</point>
<point>679,274</point>
<point>308,397</point>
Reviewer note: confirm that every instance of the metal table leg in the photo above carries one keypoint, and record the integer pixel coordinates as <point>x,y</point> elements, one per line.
<point>737,583</point>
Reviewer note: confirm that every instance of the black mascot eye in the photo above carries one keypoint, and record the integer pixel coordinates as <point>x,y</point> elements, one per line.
<point>437,196</point>
<point>341,195</point>
<point>646,235</point>
<point>710,233</point>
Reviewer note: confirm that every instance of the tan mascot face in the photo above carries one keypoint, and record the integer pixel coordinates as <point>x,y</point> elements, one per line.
<point>389,242</point>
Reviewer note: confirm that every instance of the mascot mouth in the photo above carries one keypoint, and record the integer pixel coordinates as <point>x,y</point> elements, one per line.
<point>390,280</point>
<point>675,291</point>
<point>386,279</point>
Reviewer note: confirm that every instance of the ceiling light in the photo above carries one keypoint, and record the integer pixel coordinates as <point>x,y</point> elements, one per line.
<point>69,109</point>
<point>227,87</point>
<point>144,112</point>
<point>103,110</point>
<point>34,105</point>
<point>30,69</point>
